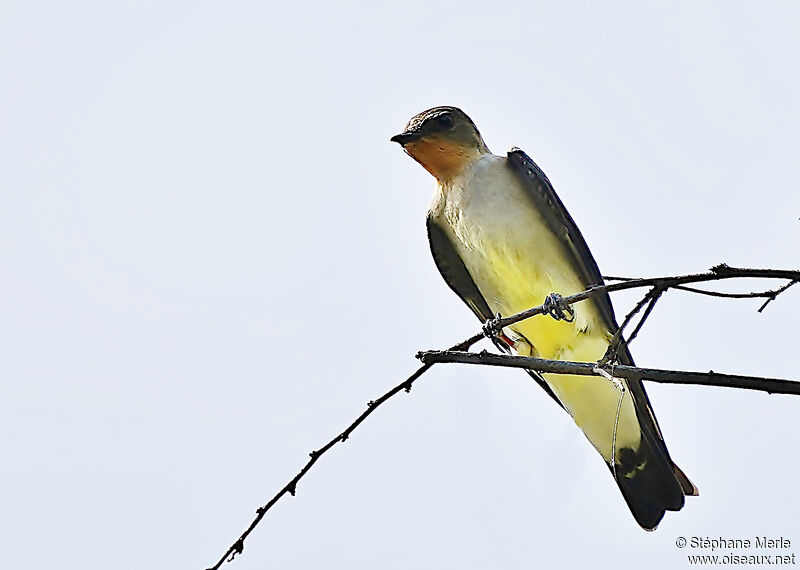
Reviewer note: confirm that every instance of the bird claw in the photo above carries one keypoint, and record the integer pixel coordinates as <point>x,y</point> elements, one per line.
<point>555,306</point>
<point>492,328</point>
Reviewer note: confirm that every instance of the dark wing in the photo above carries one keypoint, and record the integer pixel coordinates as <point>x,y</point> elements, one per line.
<point>457,276</point>
<point>562,225</point>
<point>554,213</point>
<point>455,272</point>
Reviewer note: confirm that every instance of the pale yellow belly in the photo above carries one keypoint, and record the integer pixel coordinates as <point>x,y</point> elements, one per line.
<point>513,278</point>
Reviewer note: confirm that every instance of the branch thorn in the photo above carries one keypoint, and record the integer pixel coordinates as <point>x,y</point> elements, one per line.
<point>237,548</point>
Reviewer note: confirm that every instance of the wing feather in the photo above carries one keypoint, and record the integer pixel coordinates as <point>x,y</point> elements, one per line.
<point>458,278</point>
<point>555,214</point>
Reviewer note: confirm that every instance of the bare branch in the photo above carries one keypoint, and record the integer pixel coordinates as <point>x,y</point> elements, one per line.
<point>456,354</point>
<point>653,300</point>
<point>711,378</point>
<point>291,487</point>
<point>770,294</point>
<point>716,273</point>
<point>618,342</point>
<point>775,294</point>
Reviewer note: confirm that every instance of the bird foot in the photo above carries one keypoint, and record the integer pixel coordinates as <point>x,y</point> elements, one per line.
<point>491,328</point>
<point>555,306</point>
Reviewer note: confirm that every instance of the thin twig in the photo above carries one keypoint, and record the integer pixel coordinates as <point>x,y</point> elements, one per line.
<point>717,272</point>
<point>618,341</point>
<point>769,294</point>
<point>775,294</point>
<point>291,487</point>
<point>711,378</point>
<point>656,295</point>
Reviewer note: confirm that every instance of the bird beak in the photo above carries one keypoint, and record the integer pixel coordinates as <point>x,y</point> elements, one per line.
<point>404,138</point>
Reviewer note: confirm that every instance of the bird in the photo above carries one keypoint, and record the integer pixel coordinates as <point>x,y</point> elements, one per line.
<point>503,241</point>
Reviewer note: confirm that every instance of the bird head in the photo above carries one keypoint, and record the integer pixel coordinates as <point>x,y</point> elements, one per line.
<point>444,140</point>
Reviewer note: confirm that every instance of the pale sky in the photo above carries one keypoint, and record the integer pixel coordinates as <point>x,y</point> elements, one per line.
<point>213,257</point>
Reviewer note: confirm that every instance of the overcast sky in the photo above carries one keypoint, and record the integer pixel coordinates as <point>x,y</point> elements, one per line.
<point>213,257</point>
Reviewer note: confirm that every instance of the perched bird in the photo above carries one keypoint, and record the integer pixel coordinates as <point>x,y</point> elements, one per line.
<point>504,242</point>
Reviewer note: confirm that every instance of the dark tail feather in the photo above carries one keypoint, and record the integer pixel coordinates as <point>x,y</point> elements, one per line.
<point>651,483</point>
<point>688,487</point>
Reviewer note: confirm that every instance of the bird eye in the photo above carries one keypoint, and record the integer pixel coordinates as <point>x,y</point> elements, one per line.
<point>445,121</point>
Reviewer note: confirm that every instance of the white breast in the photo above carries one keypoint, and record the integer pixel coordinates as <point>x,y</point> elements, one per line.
<point>512,254</point>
